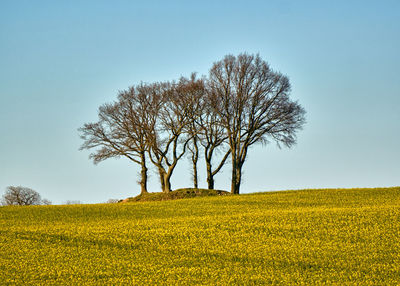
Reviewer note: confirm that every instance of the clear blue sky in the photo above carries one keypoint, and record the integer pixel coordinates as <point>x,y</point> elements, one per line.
<point>60,60</point>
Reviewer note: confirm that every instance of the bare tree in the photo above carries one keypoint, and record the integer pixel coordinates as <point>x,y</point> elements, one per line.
<point>203,129</point>
<point>253,105</point>
<point>122,128</point>
<point>212,137</point>
<point>192,96</point>
<point>168,142</point>
<point>21,196</point>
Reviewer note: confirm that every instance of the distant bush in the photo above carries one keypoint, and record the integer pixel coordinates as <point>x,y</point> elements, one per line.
<point>112,201</point>
<point>46,202</point>
<point>72,202</point>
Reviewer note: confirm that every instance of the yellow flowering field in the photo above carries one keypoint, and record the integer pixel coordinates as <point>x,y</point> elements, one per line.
<point>308,237</point>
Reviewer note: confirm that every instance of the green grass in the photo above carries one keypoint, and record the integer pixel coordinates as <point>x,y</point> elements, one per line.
<point>310,237</point>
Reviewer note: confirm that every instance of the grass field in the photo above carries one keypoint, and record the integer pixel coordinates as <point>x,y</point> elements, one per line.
<point>309,237</point>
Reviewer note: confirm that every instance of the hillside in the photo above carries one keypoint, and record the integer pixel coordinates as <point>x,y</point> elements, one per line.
<point>311,236</point>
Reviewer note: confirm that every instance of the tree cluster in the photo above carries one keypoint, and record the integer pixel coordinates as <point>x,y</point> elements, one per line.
<point>22,196</point>
<point>240,103</point>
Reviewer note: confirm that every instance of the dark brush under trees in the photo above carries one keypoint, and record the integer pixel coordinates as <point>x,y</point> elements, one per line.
<point>242,102</point>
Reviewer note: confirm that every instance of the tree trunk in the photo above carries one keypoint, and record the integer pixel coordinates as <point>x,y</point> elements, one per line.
<point>143,181</point>
<point>167,183</point>
<point>210,176</point>
<point>195,182</point>
<point>210,182</point>
<point>208,153</point>
<point>161,173</point>
<point>195,158</point>
<point>236,176</point>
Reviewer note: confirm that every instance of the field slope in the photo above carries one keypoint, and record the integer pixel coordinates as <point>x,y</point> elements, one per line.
<point>341,237</point>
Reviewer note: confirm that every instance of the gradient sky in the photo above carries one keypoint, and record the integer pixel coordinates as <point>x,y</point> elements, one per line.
<point>60,60</point>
